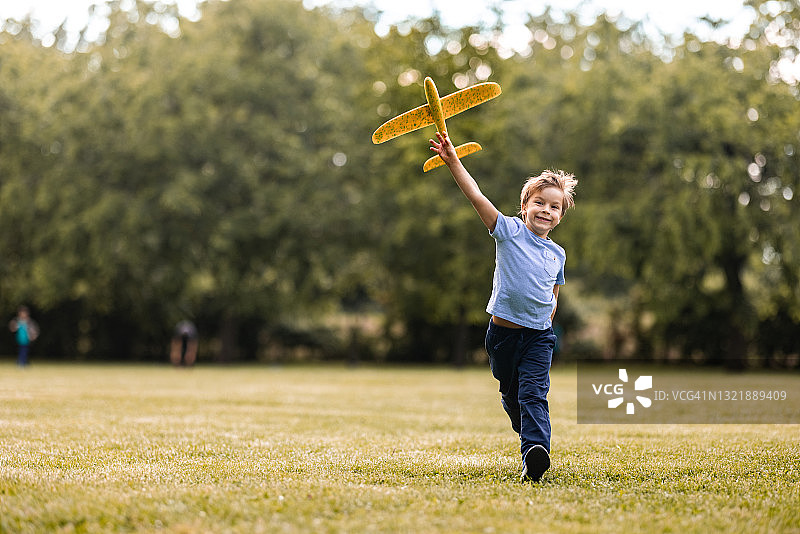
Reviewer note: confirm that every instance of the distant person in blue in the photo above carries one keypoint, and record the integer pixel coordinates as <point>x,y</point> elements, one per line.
<point>25,331</point>
<point>529,269</point>
<point>184,344</point>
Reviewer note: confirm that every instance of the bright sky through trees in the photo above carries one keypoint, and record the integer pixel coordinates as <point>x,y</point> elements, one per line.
<point>669,17</point>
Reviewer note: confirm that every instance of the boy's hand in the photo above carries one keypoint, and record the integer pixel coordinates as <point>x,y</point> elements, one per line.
<point>444,148</point>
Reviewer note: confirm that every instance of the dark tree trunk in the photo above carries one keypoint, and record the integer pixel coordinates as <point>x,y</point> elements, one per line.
<point>737,338</point>
<point>461,340</point>
<point>228,338</point>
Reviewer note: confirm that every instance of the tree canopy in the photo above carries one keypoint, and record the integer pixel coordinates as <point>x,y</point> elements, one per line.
<point>223,171</point>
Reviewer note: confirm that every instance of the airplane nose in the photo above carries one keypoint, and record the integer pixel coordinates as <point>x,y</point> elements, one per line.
<point>434,104</point>
<point>430,87</point>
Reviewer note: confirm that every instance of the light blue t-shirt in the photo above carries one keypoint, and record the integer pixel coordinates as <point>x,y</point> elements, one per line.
<point>527,267</point>
<point>23,336</point>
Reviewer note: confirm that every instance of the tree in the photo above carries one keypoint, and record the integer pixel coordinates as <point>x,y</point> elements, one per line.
<point>221,169</point>
<point>198,175</point>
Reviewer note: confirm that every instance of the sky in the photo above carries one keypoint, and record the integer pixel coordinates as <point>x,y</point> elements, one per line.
<point>668,16</point>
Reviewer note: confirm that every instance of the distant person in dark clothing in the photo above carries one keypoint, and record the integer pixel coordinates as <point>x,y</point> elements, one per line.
<point>184,344</point>
<point>25,331</point>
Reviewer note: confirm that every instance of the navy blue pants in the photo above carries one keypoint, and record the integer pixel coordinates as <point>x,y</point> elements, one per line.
<point>520,360</point>
<point>22,356</point>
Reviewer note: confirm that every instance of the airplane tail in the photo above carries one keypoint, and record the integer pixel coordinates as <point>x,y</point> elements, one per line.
<point>461,150</point>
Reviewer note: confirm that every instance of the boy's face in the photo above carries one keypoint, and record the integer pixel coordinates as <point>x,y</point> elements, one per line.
<point>543,210</point>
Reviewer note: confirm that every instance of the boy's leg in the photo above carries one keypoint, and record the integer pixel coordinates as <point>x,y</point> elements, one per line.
<point>22,358</point>
<point>501,346</point>
<point>534,384</point>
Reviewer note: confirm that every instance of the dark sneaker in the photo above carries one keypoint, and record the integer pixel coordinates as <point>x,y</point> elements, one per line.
<point>535,462</point>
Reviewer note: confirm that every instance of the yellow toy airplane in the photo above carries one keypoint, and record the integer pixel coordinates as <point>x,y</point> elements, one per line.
<point>435,112</point>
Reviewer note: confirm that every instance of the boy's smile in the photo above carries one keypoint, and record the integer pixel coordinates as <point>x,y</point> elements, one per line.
<point>543,211</point>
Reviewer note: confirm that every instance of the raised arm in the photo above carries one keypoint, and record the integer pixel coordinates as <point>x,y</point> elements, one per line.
<point>486,210</point>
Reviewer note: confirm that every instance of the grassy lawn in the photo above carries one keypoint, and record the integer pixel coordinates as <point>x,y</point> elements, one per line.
<point>330,449</point>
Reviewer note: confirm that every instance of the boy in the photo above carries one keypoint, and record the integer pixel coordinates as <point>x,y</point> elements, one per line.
<point>184,344</point>
<point>528,272</point>
<point>26,331</point>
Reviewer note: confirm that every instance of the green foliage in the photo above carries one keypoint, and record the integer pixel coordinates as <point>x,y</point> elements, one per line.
<point>223,171</point>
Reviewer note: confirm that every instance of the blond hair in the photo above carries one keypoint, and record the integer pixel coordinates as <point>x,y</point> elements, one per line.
<point>559,179</point>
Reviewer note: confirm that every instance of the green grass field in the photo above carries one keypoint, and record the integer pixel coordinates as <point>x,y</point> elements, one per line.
<point>331,449</point>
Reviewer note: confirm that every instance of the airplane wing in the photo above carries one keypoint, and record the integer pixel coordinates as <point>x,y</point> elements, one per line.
<point>469,97</point>
<point>421,116</point>
<point>461,150</point>
<point>407,122</point>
